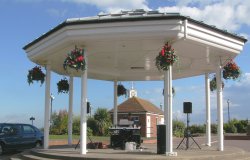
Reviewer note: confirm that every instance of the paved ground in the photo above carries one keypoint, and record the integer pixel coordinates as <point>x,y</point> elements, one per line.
<point>229,145</point>
<point>149,152</point>
<point>7,156</point>
<point>243,144</point>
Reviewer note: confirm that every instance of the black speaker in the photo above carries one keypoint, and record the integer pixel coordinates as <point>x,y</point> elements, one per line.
<point>88,107</point>
<point>187,107</point>
<point>161,139</point>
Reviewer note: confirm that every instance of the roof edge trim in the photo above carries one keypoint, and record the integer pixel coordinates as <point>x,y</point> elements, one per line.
<point>128,19</point>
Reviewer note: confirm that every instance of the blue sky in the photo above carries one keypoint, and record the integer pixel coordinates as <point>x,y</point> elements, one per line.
<point>24,20</point>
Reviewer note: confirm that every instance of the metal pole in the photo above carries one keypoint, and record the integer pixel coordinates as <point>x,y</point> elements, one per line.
<point>51,101</point>
<point>187,132</point>
<point>115,119</point>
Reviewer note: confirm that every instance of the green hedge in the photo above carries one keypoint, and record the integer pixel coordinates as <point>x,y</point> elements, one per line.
<point>236,126</point>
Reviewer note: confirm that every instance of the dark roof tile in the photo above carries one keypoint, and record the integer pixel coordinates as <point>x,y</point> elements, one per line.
<point>135,105</point>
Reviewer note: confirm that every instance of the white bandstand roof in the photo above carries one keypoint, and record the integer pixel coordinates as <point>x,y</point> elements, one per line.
<point>124,46</point>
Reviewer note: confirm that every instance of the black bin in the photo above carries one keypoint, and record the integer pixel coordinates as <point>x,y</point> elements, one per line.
<point>161,139</point>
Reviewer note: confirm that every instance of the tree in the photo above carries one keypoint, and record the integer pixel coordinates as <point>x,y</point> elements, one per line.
<point>59,122</point>
<point>92,124</point>
<point>76,125</point>
<point>178,128</point>
<point>103,120</point>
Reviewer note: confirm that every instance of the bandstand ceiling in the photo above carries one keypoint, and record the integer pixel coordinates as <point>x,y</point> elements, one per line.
<point>123,47</point>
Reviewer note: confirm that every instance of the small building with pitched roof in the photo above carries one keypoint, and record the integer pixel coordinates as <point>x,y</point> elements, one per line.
<point>143,113</point>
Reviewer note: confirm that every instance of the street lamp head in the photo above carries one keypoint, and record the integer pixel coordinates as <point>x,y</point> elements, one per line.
<point>32,118</point>
<point>228,101</point>
<point>52,96</point>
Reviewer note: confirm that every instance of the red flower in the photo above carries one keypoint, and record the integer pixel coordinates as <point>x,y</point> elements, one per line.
<point>80,58</point>
<point>162,51</point>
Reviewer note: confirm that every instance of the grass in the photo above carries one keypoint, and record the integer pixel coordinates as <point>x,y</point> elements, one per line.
<point>93,138</point>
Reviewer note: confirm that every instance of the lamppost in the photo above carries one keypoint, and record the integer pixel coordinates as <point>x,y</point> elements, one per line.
<point>228,110</point>
<point>51,101</point>
<point>32,119</point>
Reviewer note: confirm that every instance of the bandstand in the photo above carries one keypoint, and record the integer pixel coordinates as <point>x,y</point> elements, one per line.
<point>123,47</point>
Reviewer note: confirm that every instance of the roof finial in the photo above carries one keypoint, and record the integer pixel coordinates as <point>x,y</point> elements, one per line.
<point>132,92</point>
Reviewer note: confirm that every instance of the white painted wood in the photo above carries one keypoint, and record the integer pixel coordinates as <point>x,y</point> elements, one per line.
<point>83,122</point>
<point>208,116</point>
<point>47,107</point>
<point>70,113</point>
<point>148,126</point>
<point>116,43</point>
<point>166,108</point>
<point>185,29</point>
<point>219,109</point>
<point>168,112</point>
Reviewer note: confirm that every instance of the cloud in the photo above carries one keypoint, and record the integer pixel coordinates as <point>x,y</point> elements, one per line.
<point>114,5</point>
<point>196,2</point>
<point>224,14</point>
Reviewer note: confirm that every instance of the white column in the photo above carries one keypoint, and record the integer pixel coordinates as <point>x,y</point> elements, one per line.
<point>208,119</point>
<point>70,116</point>
<point>47,107</point>
<point>83,123</point>
<point>219,109</point>
<point>168,97</point>
<point>166,79</point>
<point>115,104</point>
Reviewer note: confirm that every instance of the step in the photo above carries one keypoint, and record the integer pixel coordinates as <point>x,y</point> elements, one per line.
<point>36,155</point>
<point>27,155</point>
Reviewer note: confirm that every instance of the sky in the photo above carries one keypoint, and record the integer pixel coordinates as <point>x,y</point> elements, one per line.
<point>24,20</point>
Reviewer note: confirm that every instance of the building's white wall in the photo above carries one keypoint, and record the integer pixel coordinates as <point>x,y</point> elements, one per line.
<point>148,125</point>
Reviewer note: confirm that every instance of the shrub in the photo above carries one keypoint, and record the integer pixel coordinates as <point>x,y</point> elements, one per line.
<point>92,124</point>
<point>197,129</point>
<point>103,120</point>
<point>178,128</point>
<point>236,126</point>
<point>241,126</point>
<point>230,128</point>
<point>248,129</point>
<point>214,128</point>
<point>89,132</point>
<point>76,125</point>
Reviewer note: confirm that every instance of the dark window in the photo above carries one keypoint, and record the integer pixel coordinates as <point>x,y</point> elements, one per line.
<point>135,118</point>
<point>8,129</point>
<point>28,129</point>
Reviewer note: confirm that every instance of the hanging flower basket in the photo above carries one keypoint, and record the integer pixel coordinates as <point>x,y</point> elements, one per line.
<point>121,90</point>
<point>165,58</point>
<point>75,59</point>
<point>63,86</point>
<point>36,74</point>
<point>213,84</point>
<point>231,71</point>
